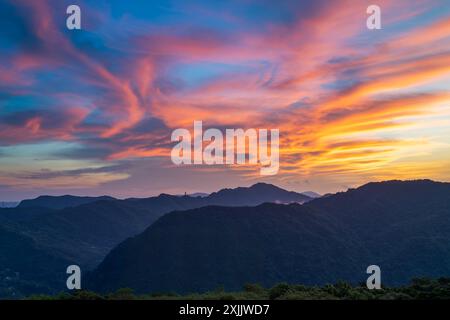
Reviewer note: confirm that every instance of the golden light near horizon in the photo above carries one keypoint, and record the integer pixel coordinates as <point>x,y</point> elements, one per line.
<point>82,110</point>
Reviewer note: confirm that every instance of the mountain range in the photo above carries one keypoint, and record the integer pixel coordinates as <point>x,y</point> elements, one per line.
<point>82,230</point>
<point>60,202</point>
<point>403,227</point>
<point>260,234</point>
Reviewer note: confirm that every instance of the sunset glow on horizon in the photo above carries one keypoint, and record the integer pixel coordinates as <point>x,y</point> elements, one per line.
<point>91,111</point>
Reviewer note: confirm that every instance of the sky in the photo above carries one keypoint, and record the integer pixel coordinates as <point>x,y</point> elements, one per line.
<point>91,111</point>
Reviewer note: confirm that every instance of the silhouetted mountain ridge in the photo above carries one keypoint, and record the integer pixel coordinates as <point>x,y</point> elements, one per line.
<point>60,202</point>
<point>83,234</point>
<point>402,226</point>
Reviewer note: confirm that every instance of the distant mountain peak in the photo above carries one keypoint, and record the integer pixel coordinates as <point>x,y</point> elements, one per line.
<point>60,202</point>
<point>256,194</point>
<point>263,184</point>
<point>402,182</point>
<point>397,184</point>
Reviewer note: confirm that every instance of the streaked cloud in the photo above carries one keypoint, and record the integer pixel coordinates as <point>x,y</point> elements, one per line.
<point>352,105</point>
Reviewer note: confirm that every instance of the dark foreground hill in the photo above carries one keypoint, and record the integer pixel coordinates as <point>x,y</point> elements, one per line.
<point>26,268</point>
<point>404,227</point>
<point>82,230</point>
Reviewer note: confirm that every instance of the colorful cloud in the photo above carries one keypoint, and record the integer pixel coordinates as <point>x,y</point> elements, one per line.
<point>91,111</point>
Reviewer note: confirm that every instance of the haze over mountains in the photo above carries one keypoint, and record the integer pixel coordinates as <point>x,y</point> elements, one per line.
<point>8,204</point>
<point>228,238</point>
